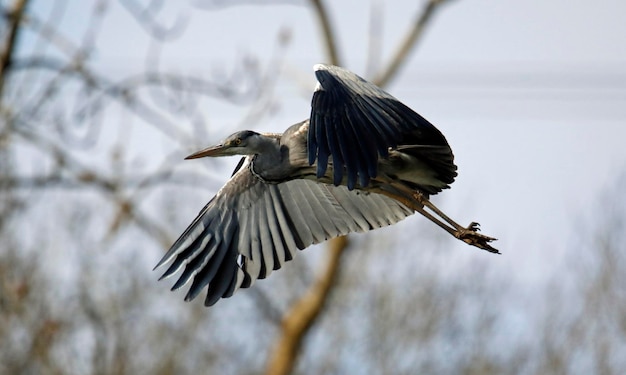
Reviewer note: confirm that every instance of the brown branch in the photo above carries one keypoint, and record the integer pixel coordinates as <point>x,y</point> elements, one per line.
<point>330,40</point>
<point>14,18</point>
<point>303,314</point>
<point>409,42</point>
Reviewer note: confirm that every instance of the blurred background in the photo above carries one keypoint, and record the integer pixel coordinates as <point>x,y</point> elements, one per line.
<point>101,100</point>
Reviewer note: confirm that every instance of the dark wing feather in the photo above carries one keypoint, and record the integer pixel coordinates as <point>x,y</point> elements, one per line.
<point>251,228</point>
<point>355,122</point>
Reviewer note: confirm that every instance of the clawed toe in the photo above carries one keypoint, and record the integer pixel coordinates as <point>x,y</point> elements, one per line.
<point>474,226</point>
<point>471,237</point>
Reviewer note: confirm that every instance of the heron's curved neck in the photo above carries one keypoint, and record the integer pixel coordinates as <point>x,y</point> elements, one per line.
<point>269,160</point>
<point>266,147</point>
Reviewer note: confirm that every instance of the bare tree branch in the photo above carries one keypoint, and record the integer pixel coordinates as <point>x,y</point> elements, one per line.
<point>304,313</point>
<point>243,85</point>
<point>329,37</point>
<point>222,4</point>
<point>146,17</point>
<point>409,42</point>
<point>14,18</point>
<point>90,177</point>
<point>375,36</point>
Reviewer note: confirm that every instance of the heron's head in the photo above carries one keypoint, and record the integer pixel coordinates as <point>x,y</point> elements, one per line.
<point>241,143</point>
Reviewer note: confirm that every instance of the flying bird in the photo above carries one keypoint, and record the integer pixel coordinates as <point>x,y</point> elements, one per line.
<point>361,161</point>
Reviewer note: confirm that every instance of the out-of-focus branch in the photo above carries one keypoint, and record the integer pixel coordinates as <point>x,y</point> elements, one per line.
<point>375,36</point>
<point>146,17</point>
<point>87,176</point>
<point>14,17</point>
<point>408,43</point>
<point>79,182</point>
<point>213,5</point>
<point>330,40</point>
<point>242,85</point>
<point>305,312</point>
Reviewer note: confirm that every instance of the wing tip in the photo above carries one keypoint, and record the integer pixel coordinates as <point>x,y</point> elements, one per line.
<point>320,66</point>
<point>161,263</point>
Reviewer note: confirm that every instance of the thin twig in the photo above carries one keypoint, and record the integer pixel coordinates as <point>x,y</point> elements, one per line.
<point>14,18</point>
<point>409,43</point>
<point>146,17</point>
<point>111,187</point>
<point>330,40</point>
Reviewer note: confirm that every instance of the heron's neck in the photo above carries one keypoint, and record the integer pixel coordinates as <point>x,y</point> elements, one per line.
<point>267,148</point>
<point>270,158</point>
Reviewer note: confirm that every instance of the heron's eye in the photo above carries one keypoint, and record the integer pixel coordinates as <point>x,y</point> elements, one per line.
<point>237,141</point>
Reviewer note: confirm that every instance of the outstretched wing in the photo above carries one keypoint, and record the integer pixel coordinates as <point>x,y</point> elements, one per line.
<point>356,122</point>
<point>251,228</point>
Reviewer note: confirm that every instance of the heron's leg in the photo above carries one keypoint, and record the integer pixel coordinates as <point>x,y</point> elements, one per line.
<point>427,203</point>
<point>419,202</point>
<point>467,234</point>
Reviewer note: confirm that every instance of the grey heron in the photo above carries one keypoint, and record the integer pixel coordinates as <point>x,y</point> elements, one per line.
<point>361,161</point>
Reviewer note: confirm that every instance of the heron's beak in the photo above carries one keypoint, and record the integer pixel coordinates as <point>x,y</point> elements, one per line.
<point>217,150</point>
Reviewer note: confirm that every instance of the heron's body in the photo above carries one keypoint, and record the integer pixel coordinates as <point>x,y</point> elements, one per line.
<point>362,161</point>
<point>287,160</point>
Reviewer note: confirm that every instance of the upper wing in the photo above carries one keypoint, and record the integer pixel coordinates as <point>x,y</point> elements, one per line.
<point>355,122</point>
<point>251,228</point>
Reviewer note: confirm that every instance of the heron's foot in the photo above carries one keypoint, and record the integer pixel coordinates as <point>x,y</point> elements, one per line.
<point>471,236</point>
